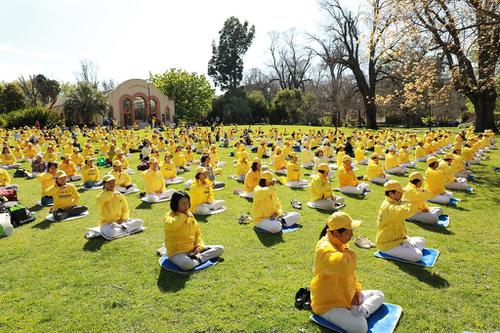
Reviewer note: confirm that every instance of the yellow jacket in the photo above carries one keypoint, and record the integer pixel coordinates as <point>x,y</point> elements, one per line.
<point>306,156</point>
<point>182,233</point>
<point>4,177</point>
<point>374,170</point>
<point>279,162</point>
<point>153,181</point>
<point>458,163</point>
<point>64,196</point>
<point>168,170</point>
<point>251,180</point>
<point>122,160</point>
<point>201,193</point>
<point>334,283</point>
<point>8,159</point>
<point>77,158</point>
<point>391,161</point>
<point>416,196</point>
<point>242,167</point>
<point>265,204</point>
<point>91,174</point>
<point>320,188</point>
<point>391,230</point>
<point>447,172</point>
<point>359,154</point>
<point>112,207</point>
<point>46,179</point>
<point>179,159</point>
<point>122,178</point>
<point>346,177</point>
<point>261,150</point>
<point>435,181</point>
<point>420,152</point>
<point>69,168</point>
<point>404,157</point>
<point>292,171</point>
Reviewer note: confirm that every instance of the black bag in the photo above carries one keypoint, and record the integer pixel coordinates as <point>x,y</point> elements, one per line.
<point>20,173</point>
<point>20,215</point>
<point>303,299</point>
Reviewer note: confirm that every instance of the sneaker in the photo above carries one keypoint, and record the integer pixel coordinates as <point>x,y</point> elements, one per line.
<point>244,219</point>
<point>296,204</point>
<point>363,242</point>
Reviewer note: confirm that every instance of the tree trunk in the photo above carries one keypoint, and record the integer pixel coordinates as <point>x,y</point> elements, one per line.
<point>371,114</point>
<point>484,108</point>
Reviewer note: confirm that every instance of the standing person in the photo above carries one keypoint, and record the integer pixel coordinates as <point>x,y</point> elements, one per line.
<point>267,213</point>
<point>185,246</point>
<point>65,197</point>
<point>336,294</point>
<point>391,236</point>
<point>114,214</point>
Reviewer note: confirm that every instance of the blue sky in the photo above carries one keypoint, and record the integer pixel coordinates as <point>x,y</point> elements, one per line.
<point>129,38</point>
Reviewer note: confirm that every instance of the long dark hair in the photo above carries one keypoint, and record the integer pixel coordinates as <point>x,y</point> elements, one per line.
<point>254,166</point>
<point>325,229</point>
<point>176,197</point>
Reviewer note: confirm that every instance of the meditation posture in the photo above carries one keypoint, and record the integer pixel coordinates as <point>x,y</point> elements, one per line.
<point>114,214</point>
<point>65,197</point>
<point>418,196</point>
<point>348,182</point>
<point>47,180</point>
<point>123,182</point>
<point>293,173</point>
<point>375,171</point>
<point>252,178</point>
<point>185,247</point>
<point>336,294</point>
<point>5,180</point>
<point>452,182</point>
<point>91,174</point>
<point>202,194</point>
<point>169,170</point>
<point>155,184</point>
<point>8,159</point>
<point>435,182</point>
<point>69,167</point>
<point>392,165</point>
<point>321,190</point>
<point>266,208</point>
<point>391,236</point>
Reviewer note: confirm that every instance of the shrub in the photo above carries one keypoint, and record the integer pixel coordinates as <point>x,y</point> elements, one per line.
<point>28,117</point>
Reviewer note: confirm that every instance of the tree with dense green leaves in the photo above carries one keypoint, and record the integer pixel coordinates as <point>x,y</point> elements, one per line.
<point>39,90</point>
<point>287,105</point>
<point>192,93</point>
<point>84,103</point>
<point>226,64</point>
<point>11,98</point>
<point>259,106</point>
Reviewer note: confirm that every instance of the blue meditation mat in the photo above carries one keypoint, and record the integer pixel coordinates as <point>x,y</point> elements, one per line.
<point>171,267</point>
<point>384,320</point>
<point>428,259</point>
<point>470,189</point>
<point>284,230</point>
<point>453,201</point>
<point>444,221</point>
<point>496,169</point>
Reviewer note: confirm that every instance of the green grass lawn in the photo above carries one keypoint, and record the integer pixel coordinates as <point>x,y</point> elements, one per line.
<point>54,280</point>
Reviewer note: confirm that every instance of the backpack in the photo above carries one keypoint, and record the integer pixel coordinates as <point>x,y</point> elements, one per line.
<point>303,299</point>
<point>9,194</point>
<point>101,161</point>
<point>20,215</point>
<point>143,166</point>
<point>20,173</point>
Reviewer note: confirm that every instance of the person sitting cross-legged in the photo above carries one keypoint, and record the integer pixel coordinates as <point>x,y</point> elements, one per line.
<point>321,190</point>
<point>155,184</point>
<point>416,194</point>
<point>375,172</point>
<point>65,197</point>
<point>185,246</point>
<point>336,294</point>
<point>114,214</point>
<point>123,182</point>
<point>202,194</point>
<point>348,182</point>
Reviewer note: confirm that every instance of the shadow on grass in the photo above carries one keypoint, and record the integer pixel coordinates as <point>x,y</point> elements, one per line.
<point>169,282</point>
<point>44,224</point>
<point>202,218</point>
<point>36,208</point>
<point>463,209</point>
<point>269,239</point>
<point>423,275</point>
<point>355,196</point>
<point>144,205</point>
<point>94,244</point>
<point>433,228</point>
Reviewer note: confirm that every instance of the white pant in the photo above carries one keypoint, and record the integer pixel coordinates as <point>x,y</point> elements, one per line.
<point>460,184</point>
<point>11,166</point>
<point>442,198</point>
<point>359,189</point>
<point>308,165</point>
<point>123,189</point>
<point>113,230</point>
<point>205,209</point>
<point>407,251</point>
<point>10,187</point>
<point>74,178</point>
<point>274,226</point>
<point>184,262</point>
<point>154,197</point>
<point>431,217</point>
<point>409,164</point>
<point>464,174</point>
<point>328,204</point>
<point>240,178</point>
<point>399,170</point>
<point>422,159</point>
<point>298,184</point>
<point>248,195</point>
<point>174,180</point>
<point>280,172</point>
<point>354,320</point>
<point>363,162</point>
<point>380,180</point>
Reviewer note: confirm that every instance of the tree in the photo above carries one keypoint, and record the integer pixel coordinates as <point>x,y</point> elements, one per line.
<point>88,72</point>
<point>39,90</point>
<point>11,98</point>
<point>259,106</point>
<point>84,103</point>
<point>467,32</point>
<point>226,64</point>
<point>344,29</point>
<point>287,104</point>
<point>191,92</point>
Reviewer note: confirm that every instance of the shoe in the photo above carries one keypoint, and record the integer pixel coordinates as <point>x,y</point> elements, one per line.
<point>244,219</point>
<point>142,194</point>
<point>296,204</point>
<point>238,191</point>
<point>363,242</point>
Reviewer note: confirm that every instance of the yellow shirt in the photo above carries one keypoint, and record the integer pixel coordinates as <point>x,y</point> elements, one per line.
<point>265,204</point>
<point>334,283</point>
<point>320,188</point>
<point>279,162</point>
<point>4,177</point>
<point>91,174</point>
<point>374,170</point>
<point>435,181</point>
<point>153,181</point>
<point>8,159</point>
<point>447,172</point>
<point>292,171</point>
<point>46,179</point>
<point>122,178</point>
<point>112,207</point>
<point>64,196</point>
<point>359,154</point>
<point>168,170</point>
<point>416,196</point>
<point>179,159</point>
<point>391,161</point>
<point>77,159</point>
<point>346,177</point>
<point>306,156</point>
<point>201,193</point>
<point>251,180</point>
<point>69,168</point>
<point>404,157</point>
<point>182,233</point>
<point>391,230</point>
<point>242,168</point>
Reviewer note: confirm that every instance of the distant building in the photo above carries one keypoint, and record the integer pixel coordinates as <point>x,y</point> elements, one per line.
<point>127,104</point>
